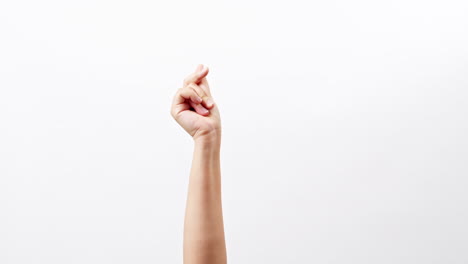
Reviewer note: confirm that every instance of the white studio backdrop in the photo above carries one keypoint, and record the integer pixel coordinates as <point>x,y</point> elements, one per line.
<point>345,133</point>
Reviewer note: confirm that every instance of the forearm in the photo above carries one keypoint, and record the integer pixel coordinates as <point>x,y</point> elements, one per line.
<point>204,241</point>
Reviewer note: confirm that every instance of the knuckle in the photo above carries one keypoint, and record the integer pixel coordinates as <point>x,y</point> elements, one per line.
<point>192,90</point>
<point>201,92</point>
<point>188,80</point>
<point>197,89</point>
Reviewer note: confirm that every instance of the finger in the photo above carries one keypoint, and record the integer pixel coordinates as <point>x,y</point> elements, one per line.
<point>195,77</point>
<point>203,83</point>
<point>205,86</point>
<point>190,94</point>
<point>199,109</point>
<point>199,67</point>
<point>207,100</point>
<point>178,104</point>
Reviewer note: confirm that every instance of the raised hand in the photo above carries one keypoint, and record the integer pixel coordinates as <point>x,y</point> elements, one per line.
<point>193,106</point>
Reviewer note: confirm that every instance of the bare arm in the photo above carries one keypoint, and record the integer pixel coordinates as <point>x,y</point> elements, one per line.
<point>204,241</point>
<point>204,231</point>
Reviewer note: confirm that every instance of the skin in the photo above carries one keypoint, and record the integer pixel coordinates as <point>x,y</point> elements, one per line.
<point>196,112</point>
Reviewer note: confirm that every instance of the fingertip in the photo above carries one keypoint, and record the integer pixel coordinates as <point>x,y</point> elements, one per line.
<point>199,109</point>
<point>209,102</point>
<point>202,70</point>
<point>199,67</point>
<point>203,111</point>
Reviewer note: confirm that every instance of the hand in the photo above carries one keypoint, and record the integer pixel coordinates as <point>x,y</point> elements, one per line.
<point>194,109</point>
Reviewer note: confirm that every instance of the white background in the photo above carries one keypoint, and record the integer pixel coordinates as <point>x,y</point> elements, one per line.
<point>344,129</point>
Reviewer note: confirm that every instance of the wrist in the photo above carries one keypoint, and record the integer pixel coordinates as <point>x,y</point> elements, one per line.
<point>208,148</point>
<point>211,138</point>
<point>208,142</point>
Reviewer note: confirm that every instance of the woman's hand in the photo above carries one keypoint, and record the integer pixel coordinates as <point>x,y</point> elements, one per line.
<point>194,109</point>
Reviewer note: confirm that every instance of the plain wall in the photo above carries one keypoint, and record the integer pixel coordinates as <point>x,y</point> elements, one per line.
<point>345,132</point>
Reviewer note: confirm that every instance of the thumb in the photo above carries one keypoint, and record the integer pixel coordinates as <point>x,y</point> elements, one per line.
<point>196,76</point>
<point>204,85</point>
<point>203,82</point>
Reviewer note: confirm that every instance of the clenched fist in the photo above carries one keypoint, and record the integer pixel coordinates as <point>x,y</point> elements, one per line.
<point>194,109</point>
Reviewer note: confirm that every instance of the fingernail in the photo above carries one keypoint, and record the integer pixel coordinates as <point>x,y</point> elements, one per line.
<point>199,99</point>
<point>209,102</point>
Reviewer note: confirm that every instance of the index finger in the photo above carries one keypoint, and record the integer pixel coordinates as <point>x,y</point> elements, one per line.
<point>196,76</point>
